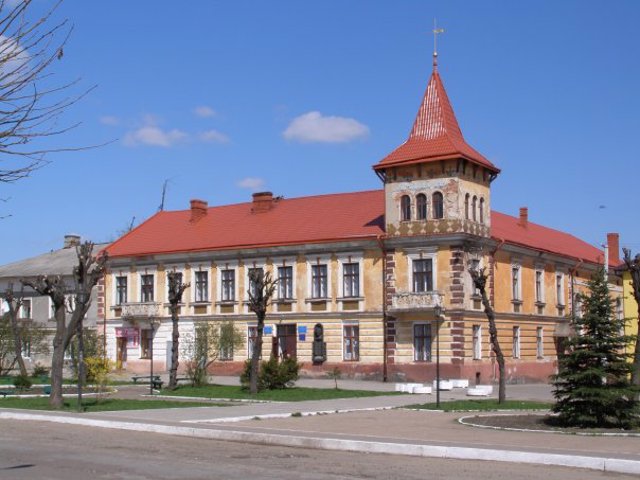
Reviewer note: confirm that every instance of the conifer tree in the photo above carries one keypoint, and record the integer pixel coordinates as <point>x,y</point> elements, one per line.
<point>593,388</point>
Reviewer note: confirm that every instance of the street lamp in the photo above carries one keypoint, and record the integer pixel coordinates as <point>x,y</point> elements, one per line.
<point>153,323</point>
<point>437,312</point>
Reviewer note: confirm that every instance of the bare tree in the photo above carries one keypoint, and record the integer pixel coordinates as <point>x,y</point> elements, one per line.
<point>31,40</point>
<point>479,278</point>
<point>263,287</point>
<point>633,266</point>
<point>176,289</point>
<point>86,274</point>
<point>14,303</point>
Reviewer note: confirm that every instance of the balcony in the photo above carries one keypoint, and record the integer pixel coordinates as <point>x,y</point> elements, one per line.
<point>411,302</point>
<point>140,310</point>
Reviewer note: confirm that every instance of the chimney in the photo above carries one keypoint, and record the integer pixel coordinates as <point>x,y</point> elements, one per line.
<point>613,242</point>
<point>524,217</point>
<point>71,240</point>
<point>198,209</point>
<point>262,202</point>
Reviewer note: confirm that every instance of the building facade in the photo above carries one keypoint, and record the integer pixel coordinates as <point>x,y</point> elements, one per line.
<point>365,273</point>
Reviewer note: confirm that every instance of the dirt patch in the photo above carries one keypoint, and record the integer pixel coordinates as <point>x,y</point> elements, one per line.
<point>539,422</point>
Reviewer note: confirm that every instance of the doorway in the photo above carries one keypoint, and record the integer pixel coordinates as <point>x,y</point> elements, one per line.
<point>121,353</point>
<point>287,341</point>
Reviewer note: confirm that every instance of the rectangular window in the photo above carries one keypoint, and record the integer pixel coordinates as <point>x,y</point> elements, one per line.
<point>25,308</point>
<point>515,282</point>
<point>539,287</point>
<point>423,275</point>
<point>539,343</point>
<point>146,338</point>
<point>351,342</point>
<point>252,284</point>
<point>252,338</point>
<point>422,342</point>
<point>477,342</point>
<point>351,279</point>
<point>226,353</point>
<point>202,286</point>
<point>560,289</point>
<point>319,281</point>
<point>121,290</point>
<point>228,285</point>
<point>285,283</point>
<point>146,288</point>
<point>516,342</point>
<point>26,348</point>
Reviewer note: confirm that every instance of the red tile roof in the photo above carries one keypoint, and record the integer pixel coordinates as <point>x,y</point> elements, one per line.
<point>435,135</point>
<point>317,219</point>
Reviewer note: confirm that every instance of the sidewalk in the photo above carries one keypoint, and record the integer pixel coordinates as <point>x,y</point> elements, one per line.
<point>370,426</point>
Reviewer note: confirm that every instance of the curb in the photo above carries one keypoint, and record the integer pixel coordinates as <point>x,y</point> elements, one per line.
<point>437,451</point>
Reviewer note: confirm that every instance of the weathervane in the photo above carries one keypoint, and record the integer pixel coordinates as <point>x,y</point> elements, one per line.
<point>436,31</point>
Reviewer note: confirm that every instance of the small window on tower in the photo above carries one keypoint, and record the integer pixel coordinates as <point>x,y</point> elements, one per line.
<point>421,206</point>
<point>466,206</point>
<point>481,210</point>
<point>438,205</point>
<point>474,206</point>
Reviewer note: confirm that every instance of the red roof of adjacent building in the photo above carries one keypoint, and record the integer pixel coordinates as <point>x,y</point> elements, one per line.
<point>316,219</point>
<point>435,135</point>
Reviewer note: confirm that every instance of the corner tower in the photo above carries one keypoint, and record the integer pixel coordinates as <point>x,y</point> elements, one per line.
<point>435,182</point>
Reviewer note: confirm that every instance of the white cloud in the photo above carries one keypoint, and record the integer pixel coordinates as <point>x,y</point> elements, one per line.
<point>15,59</point>
<point>251,183</point>
<point>109,120</point>
<point>314,127</point>
<point>154,136</point>
<point>204,111</point>
<point>213,136</point>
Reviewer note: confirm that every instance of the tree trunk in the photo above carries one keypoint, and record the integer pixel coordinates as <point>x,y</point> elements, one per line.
<point>175,342</point>
<point>57,359</point>
<point>255,356</point>
<point>495,346</point>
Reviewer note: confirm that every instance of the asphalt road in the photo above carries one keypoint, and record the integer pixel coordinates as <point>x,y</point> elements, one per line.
<point>34,450</point>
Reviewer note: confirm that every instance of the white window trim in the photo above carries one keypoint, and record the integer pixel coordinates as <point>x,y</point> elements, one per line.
<point>472,289</point>
<point>230,265</point>
<point>350,323</point>
<point>248,265</point>
<point>114,285</point>
<point>423,254</point>
<point>286,262</point>
<point>147,271</point>
<point>318,260</point>
<point>21,311</point>
<point>350,258</point>
<point>200,268</point>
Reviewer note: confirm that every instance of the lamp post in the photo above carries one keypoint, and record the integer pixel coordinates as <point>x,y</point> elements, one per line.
<point>153,323</point>
<point>437,311</point>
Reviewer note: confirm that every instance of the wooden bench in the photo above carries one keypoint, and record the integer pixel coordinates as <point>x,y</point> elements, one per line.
<point>4,393</point>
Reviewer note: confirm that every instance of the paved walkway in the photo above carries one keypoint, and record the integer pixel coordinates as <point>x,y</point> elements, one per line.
<point>360,428</point>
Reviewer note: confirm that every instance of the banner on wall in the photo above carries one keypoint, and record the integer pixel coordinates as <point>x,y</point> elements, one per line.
<point>132,334</point>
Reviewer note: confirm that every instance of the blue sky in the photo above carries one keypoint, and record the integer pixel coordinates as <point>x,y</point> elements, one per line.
<point>301,98</point>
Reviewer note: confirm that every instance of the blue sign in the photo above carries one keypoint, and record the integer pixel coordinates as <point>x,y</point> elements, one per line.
<point>268,330</point>
<point>302,329</point>
<point>302,337</point>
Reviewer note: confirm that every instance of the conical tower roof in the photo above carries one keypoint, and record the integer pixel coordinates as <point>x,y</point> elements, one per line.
<point>435,135</point>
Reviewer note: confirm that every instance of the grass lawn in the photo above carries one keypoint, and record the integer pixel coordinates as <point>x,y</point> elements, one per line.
<point>104,405</point>
<point>295,394</point>
<point>483,405</point>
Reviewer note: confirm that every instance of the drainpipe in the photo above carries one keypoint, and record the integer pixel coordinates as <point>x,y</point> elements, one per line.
<point>383,251</point>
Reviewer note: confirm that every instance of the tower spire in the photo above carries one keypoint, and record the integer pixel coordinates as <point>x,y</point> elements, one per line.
<point>436,31</point>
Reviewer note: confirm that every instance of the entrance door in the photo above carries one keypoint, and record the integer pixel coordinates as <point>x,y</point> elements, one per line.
<point>121,353</point>
<point>287,341</point>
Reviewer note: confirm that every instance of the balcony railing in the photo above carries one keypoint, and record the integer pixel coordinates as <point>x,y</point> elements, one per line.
<point>410,301</point>
<point>140,310</point>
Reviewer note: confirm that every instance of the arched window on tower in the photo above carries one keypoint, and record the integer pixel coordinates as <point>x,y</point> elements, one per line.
<point>481,210</point>
<point>405,208</point>
<point>466,206</point>
<point>438,205</point>
<point>421,206</point>
<point>474,204</point>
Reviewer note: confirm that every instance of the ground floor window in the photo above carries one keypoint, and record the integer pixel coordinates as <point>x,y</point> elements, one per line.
<point>477,342</point>
<point>351,342</point>
<point>422,342</point>
<point>146,338</point>
<point>516,342</point>
<point>287,344</point>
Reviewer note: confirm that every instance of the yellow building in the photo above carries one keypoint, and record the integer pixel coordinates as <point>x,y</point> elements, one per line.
<point>363,272</point>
